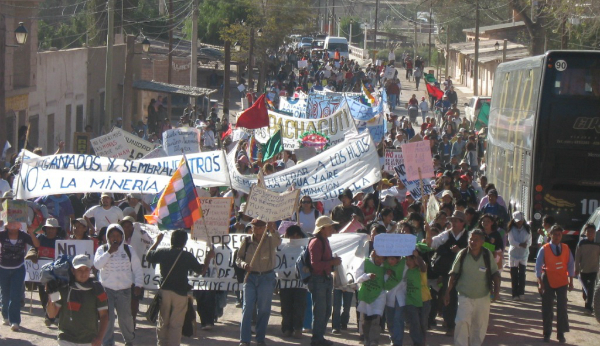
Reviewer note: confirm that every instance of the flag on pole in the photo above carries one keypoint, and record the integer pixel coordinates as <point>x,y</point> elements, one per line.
<point>436,92</point>
<point>252,149</point>
<point>367,94</point>
<point>178,206</point>
<point>256,116</point>
<point>429,78</point>
<point>273,146</point>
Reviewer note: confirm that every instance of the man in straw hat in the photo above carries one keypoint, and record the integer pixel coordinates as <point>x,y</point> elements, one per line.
<point>321,281</point>
<point>257,256</point>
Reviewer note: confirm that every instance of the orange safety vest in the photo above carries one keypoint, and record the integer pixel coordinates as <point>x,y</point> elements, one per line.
<point>556,267</point>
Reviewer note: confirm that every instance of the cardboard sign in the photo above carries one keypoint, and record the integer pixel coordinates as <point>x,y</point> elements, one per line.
<point>216,213</point>
<point>352,227</point>
<point>112,144</point>
<point>416,138</point>
<point>391,244</point>
<point>138,147</point>
<point>271,206</point>
<point>14,210</point>
<point>393,157</point>
<point>33,271</point>
<point>81,143</point>
<point>156,154</point>
<point>73,248</point>
<point>417,156</point>
<point>389,72</point>
<point>184,140</point>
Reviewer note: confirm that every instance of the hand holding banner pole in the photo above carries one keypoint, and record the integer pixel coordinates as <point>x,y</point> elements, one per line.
<point>255,254</point>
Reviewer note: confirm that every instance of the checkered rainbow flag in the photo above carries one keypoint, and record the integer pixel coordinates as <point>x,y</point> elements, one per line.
<point>178,206</point>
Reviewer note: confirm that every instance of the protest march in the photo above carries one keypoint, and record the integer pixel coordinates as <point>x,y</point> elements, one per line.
<point>325,204</point>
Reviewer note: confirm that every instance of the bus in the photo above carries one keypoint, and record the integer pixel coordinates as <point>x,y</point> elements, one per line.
<point>543,150</point>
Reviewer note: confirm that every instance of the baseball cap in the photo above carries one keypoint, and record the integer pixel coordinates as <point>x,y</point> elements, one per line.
<point>518,216</point>
<point>81,261</point>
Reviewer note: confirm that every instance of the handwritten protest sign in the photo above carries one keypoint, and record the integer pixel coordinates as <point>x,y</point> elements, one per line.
<point>138,147</point>
<point>33,271</point>
<point>81,143</point>
<point>353,164</point>
<point>183,140</point>
<point>155,154</point>
<point>112,144</point>
<point>389,72</point>
<point>73,248</point>
<point>270,206</point>
<point>393,157</point>
<point>77,173</point>
<point>216,213</point>
<point>413,186</point>
<point>390,244</point>
<point>417,156</point>
<point>14,211</point>
<point>302,64</point>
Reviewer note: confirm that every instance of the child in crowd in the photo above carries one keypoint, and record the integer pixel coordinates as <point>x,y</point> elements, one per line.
<point>395,285</point>
<point>416,312</point>
<point>371,297</point>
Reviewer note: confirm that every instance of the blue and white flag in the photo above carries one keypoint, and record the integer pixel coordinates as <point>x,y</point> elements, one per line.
<point>295,106</point>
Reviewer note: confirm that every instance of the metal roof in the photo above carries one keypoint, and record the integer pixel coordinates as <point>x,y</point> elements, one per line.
<point>172,88</point>
<point>483,29</point>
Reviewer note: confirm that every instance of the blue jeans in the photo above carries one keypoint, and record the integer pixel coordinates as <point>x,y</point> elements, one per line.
<point>392,98</point>
<point>321,288</point>
<point>413,317</point>
<point>258,291</point>
<point>308,316</point>
<point>121,300</point>
<point>11,285</point>
<point>395,320</point>
<point>341,301</point>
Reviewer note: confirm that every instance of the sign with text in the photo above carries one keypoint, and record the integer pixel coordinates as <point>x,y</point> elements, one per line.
<point>33,271</point>
<point>302,64</point>
<point>73,248</point>
<point>138,147</point>
<point>294,106</point>
<point>390,244</point>
<point>271,206</point>
<point>417,156</point>
<point>352,164</point>
<point>112,144</point>
<point>81,143</point>
<point>216,213</point>
<point>413,186</point>
<point>393,157</point>
<point>183,140</point>
<point>14,211</point>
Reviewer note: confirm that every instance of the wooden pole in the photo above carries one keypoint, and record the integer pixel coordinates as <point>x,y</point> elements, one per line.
<point>421,184</point>
<point>262,239</point>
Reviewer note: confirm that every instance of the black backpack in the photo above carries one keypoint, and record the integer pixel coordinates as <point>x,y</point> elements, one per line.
<point>303,266</point>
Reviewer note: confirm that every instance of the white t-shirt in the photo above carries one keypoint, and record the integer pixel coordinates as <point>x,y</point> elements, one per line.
<point>104,217</point>
<point>290,163</point>
<point>307,221</point>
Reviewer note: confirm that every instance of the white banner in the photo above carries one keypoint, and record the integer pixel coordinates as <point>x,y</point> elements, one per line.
<point>351,248</point>
<point>295,106</point>
<point>271,206</point>
<point>80,173</point>
<point>393,157</point>
<point>414,185</point>
<point>334,127</point>
<point>353,164</point>
<point>216,213</point>
<point>183,140</point>
<point>121,145</point>
<point>73,248</point>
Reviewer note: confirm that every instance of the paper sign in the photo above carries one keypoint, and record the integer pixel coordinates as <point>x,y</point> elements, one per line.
<point>418,156</point>
<point>216,213</point>
<point>138,147</point>
<point>14,211</point>
<point>112,145</point>
<point>391,244</point>
<point>241,87</point>
<point>33,271</point>
<point>81,143</point>
<point>413,186</point>
<point>270,206</point>
<point>183,140</point>
<point>389,72</point>
<point>302,63</point>
<point>393,157</point>
<point>73,248</point>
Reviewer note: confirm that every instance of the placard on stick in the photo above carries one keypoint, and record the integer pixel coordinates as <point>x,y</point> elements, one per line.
<point>73,248</point>
<point>216,213</point>
<point>418,156</point>
<point>391,244</point>
<point>393,157</point>
<point>271,206</point>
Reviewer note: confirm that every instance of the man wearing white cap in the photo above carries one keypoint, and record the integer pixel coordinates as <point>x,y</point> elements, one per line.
<point>104,214</point>
<point>85,304</point>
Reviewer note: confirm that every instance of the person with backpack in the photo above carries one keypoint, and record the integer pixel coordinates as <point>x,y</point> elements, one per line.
<point>119,267</point>
<point>320,283</point>
<point>260,279</point>
<point>447,244</point>
<point>475,276</point>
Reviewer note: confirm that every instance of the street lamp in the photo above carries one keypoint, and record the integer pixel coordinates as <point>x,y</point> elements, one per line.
<point>145,45</point>
<point>497,46</point>
<point>21,33</point>
<point>237,46</point>
<point>259,32</point>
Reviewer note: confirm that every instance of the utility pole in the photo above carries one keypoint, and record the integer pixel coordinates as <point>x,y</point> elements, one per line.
<point>415,38</point>
<point>170,58</point>
<point>350,35</point>
<point>447,50</point>
<point>339,26</point>
<point>108,76</point>
<point>476,59</point>
<point>504,47</point>
<point>250,62</point>
<point>128,83</point>
<point>333,17</point>
<point>430,30</point>
<point>194,55</point>
<point>366,27</point>
<point>226,80</point>
<point>376,25</point>
<point>3,133</point>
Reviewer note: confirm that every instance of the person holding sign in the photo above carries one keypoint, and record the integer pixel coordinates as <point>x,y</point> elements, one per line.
<point>258,260</point>
<point>85,304</point>
<point>46,251</point>
<point>371,296</point>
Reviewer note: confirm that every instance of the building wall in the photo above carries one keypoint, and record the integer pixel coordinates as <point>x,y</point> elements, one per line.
<point>59,97</point>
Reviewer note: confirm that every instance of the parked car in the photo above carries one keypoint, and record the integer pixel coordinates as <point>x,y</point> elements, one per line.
<point>305,43</point>
<point>472,108</point>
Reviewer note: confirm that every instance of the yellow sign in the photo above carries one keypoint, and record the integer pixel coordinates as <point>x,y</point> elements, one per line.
<point>17,103</point>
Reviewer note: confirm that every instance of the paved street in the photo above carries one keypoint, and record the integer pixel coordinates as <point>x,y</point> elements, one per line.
<point>511,323</point>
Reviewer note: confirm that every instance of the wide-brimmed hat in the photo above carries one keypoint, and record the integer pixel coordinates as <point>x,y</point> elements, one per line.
<point>458,215</point>
<point>258,223</point>
<point>323,221</point>
<point>447,193</point>
<point>51,222</point>
<point>347,193</point>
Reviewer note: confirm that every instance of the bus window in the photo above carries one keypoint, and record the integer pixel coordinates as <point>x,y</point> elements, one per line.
<point>578,82</point>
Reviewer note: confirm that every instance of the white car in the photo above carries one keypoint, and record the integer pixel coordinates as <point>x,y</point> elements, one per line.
<point>472,108</point>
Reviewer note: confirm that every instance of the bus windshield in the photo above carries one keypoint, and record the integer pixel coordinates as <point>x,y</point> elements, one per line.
<point>342,47</point>
<point>577,81</point>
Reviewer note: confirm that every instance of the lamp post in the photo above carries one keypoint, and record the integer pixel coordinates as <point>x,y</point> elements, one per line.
<point>21,38</point>
<point>339,25</point>
<point>237,46</point>
<point>350,36</point>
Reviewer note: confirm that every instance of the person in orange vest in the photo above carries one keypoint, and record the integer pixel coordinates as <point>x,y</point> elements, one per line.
<point>555,269</point>
<point>336,55</point>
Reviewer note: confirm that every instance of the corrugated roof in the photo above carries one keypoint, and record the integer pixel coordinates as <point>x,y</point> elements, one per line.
<point>172,88</point>
<point>484,29</point>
